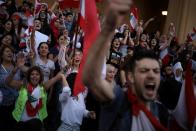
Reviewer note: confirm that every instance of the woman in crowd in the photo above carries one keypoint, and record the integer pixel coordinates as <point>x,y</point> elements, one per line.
<point>9,92</point>
<point>42,61</point>
<point>73,108</point>
<point>18,25</point>
<point>30,107</point>
<point>9,28</point>
<point>6,39</point>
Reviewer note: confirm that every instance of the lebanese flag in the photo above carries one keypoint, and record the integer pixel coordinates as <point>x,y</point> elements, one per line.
<point>185,111</point>
<point>91,30</point>
<point>134,18</point>
<point>165,57</point>
<point>69,4</point>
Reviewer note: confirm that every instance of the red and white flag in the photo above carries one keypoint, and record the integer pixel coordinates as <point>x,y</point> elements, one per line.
<point>82,14</point>
<point>69,4</point>
<point>134,18</point>
<point>37,6</point>
<point>185,111</point>
<point>91,29</point>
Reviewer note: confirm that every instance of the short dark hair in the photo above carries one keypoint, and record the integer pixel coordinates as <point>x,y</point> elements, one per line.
<point>35,68</point>
<point>139,55</point>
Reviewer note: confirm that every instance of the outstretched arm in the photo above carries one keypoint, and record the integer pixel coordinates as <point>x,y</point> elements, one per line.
<point>52,81</point>
<point>147,23</point>
<point>101,88</point>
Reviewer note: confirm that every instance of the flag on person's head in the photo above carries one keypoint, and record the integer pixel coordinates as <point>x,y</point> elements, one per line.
<point>191,36</point>
<point>69,4</point>
<point>91,30</point>
<point>134,18</point>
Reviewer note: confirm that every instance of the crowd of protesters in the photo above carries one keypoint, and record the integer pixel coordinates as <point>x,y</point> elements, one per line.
<point>40,55</point>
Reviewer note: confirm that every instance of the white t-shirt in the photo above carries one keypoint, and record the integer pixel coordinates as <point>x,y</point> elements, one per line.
<point>45,67</point>
<point>73,110</point>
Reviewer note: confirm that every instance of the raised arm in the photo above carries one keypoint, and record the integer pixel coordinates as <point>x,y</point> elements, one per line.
<point>148,22</point>
<point>52,81</point>
<point>11,82</point>
<point>92,77</point>
<point>19,66</point>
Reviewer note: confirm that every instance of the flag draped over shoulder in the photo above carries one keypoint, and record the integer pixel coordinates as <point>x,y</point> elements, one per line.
<point>91,29</point>
<point>190,98</point>
<point>69,4</point>
<point>185,111</point>
<point>134,18</point>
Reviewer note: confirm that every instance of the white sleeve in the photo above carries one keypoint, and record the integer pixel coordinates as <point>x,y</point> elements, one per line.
<point>86,113</point>
<point>66,93</point>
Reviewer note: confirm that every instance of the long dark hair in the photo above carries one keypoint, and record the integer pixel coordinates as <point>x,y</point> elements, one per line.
<point>2,48</point>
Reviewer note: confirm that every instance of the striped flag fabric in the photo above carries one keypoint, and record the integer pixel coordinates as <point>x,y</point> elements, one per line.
<point>134,18</point>
<point>91,30</point>
<point>82,14</point>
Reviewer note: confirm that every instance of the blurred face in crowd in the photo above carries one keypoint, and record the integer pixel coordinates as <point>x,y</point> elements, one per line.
<point>153,42</point>
<point>8,26</point>
<point>37,24</point>
<point>25,7</point>
<point>168,71</point>
<point>110,72</point>
<point>77,58</point>
<point>35,77</point>
<point>178,72</point>
<point>65,32</point>
<point>126,32</point>
<point>62,40</point>
<point>7,54</point>
<point>157,35</point>
<point>56,23</point>
<point>163,39</point>
<point>61,19</point>
<point>6,40</point>
<point>143,37</point>
<point>15,20</point>
<point>146,79</point>
<point>43,49</point>
<point>130,51</point>
<point>43,16</point>
<point>116,43</point>
<point>69,18</point>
